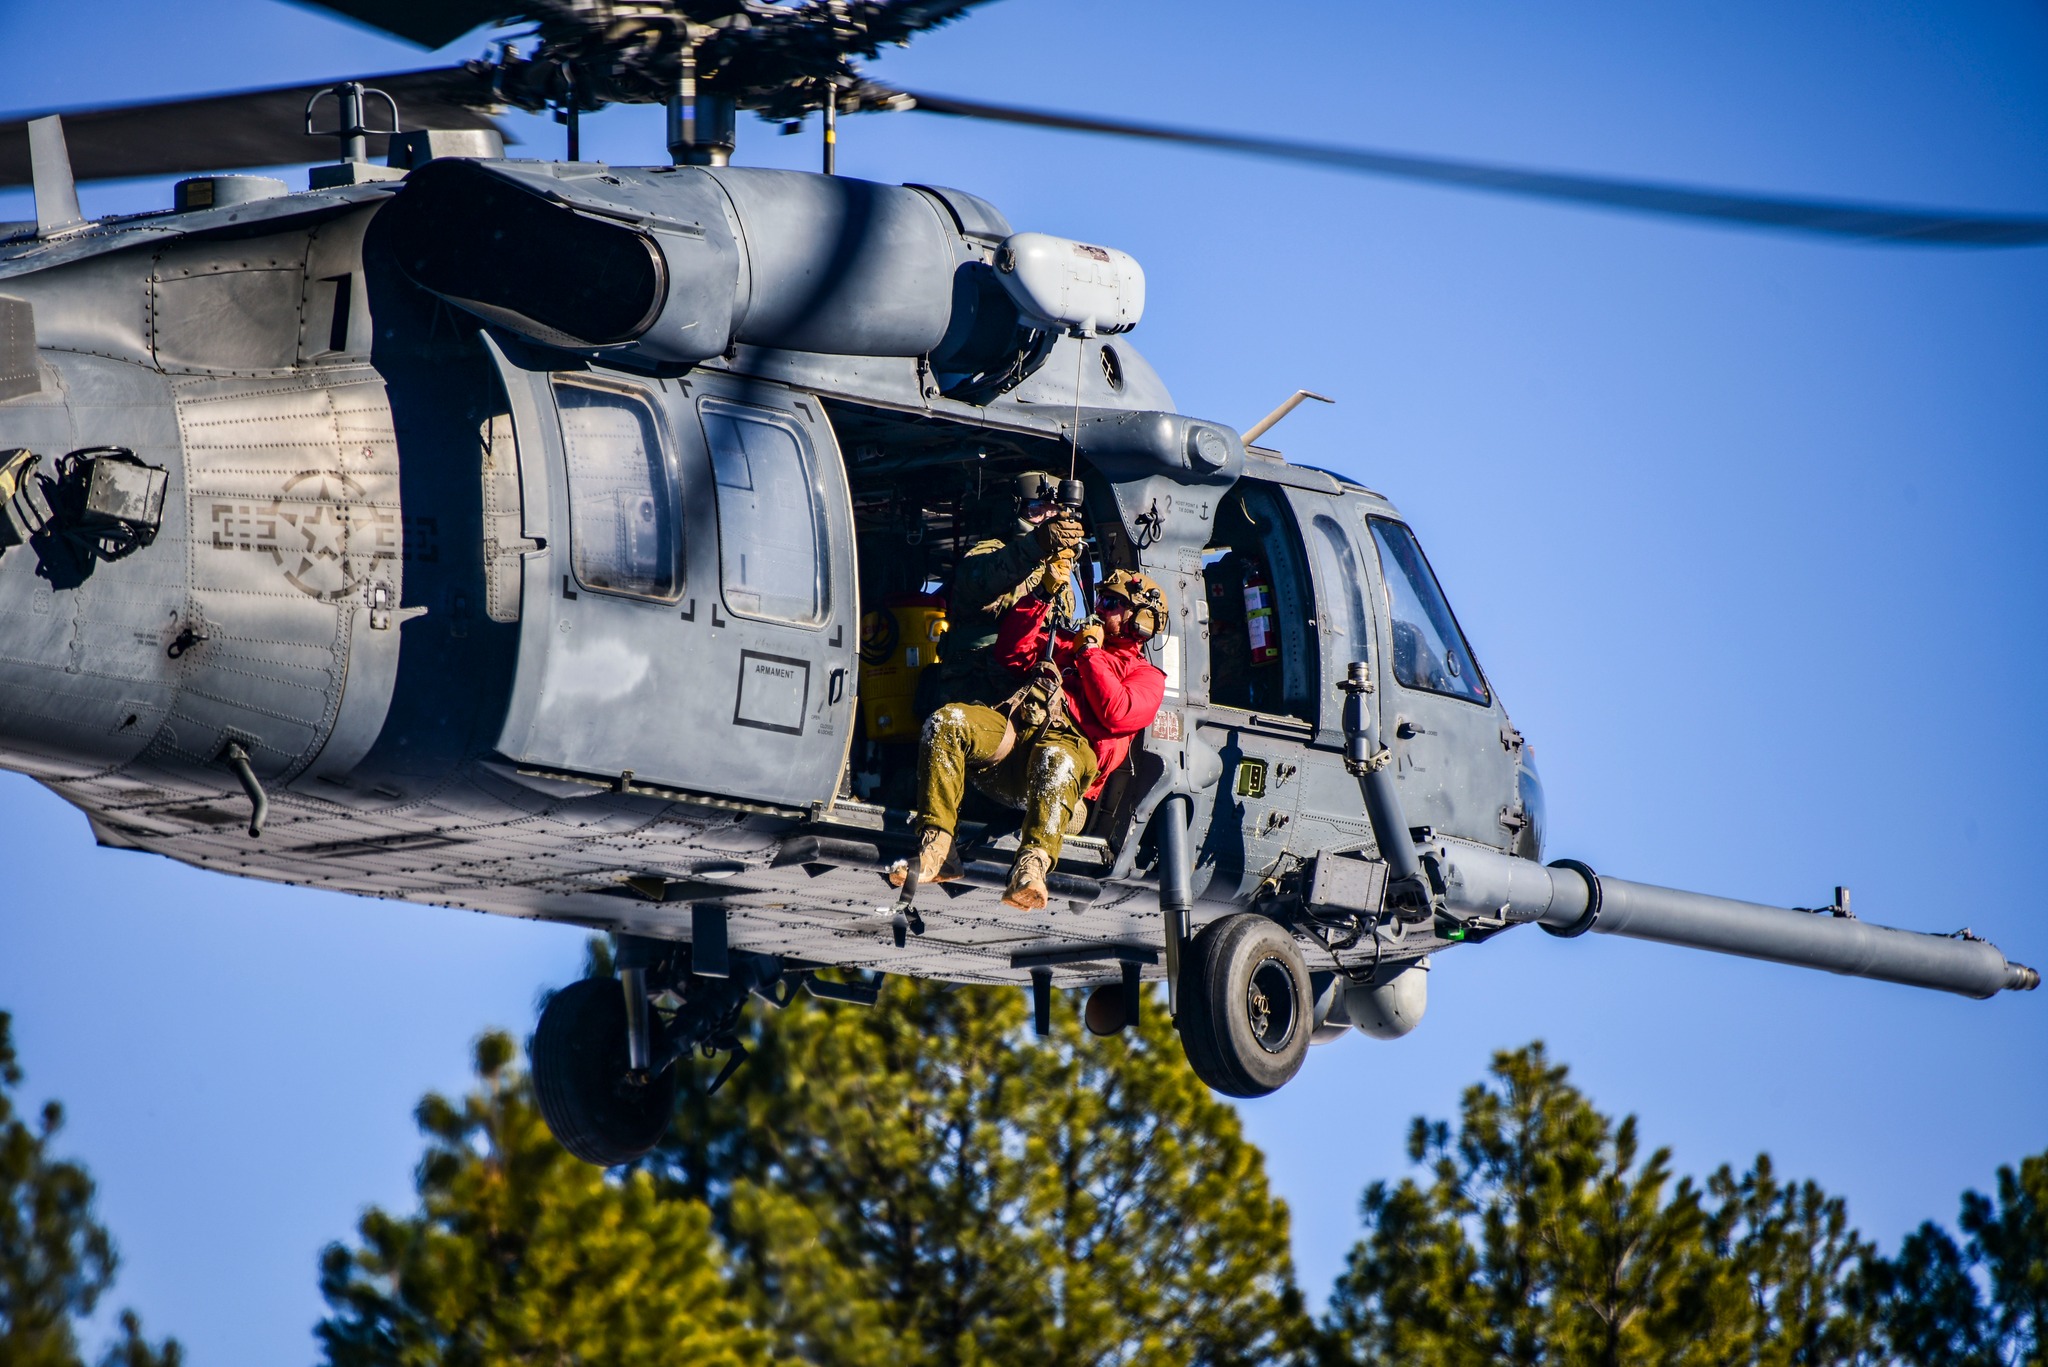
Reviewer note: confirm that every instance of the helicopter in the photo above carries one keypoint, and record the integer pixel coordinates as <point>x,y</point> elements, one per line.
<point>1367,796</point>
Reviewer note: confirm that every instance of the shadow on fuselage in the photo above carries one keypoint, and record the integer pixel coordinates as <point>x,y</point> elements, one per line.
<point>456,668</point>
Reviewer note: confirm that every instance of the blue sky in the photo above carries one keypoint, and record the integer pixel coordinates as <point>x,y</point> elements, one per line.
<point>1744,529</point>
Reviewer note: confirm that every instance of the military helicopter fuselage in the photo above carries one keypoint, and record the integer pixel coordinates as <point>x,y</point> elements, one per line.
<point>504,536</point>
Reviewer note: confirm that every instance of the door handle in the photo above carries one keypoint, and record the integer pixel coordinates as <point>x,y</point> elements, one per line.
<point>835,686</point>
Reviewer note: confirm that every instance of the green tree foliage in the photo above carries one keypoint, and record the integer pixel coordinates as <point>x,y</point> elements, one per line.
<point>1794,1254</point>
<point>920,1183</point>
<point>1932,1300</point>
<point>56,1261</point>
<point>2008,1237</point>
<point>1545,1235</point>
<point>925,1182</point>
<point>521,1254</point>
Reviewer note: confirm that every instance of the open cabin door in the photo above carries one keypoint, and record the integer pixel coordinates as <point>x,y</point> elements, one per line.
<point>688,621</point>
<point>1259,615</point>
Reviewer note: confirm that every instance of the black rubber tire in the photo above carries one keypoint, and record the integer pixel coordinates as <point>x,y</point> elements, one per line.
<point>1227,1047</point>
<point>591,1106</point>
<point>1196,1032</point>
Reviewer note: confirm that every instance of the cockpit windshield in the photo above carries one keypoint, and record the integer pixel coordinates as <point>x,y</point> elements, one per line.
<point>1429,651</point>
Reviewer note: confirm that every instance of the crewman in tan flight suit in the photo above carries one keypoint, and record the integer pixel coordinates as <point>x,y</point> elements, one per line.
<point>1051,749</point>
<point>994,573</point>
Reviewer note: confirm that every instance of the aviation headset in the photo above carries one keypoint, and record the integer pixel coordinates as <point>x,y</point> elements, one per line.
<point>1148,604</point>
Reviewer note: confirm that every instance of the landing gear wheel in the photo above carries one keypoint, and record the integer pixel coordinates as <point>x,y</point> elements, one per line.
<point>591,1104</point>
<point>1245,1006</point>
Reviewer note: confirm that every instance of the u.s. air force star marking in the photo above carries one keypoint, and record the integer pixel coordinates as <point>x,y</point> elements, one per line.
<point>320,530</point>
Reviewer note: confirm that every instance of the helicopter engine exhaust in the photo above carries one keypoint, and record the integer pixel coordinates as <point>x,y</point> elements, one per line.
<point>681,264</point>
<point>1568,899</point>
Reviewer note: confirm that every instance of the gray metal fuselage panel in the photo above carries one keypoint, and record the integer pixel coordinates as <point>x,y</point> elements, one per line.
<point>363,577</point>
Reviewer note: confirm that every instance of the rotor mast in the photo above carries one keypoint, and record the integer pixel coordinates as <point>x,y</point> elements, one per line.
<point>701,126</point>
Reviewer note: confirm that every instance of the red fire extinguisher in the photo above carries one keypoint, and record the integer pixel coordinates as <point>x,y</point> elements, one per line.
<point>1259,624</point>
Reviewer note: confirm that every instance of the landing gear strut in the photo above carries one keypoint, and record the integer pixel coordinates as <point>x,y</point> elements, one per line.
<point>1238,992</point>
<point>604,1058</point>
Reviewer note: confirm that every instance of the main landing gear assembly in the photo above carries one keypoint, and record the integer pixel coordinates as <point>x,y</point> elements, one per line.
<point>1239,990</point>
<point>604,1054</point>
<point>1245,1006</point>
<point>599,1107</point>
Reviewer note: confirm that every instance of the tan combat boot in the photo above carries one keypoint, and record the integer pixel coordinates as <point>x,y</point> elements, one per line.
<point>936,862</point>
<point>1027,881</point>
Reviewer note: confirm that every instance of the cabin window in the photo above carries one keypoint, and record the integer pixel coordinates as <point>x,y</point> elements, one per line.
<point>1261,616</point>
<point>1429,651</point>
<point>625,528</point>
<point>771,515</point>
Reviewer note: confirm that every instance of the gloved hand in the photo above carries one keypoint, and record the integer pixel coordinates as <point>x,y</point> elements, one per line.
<point>14,468</point>
<point>1047,673</point>
<point>1061,533</point>
<point>1090,635</point>
<point>1054,574</point>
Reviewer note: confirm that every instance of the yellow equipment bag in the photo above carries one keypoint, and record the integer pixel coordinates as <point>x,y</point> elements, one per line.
<point>897,644</point>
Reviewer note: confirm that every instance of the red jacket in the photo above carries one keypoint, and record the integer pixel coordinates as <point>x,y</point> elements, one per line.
<point>1113,691</point>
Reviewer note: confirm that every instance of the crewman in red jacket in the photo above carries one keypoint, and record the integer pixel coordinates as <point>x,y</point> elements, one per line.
<point>1052,746</point>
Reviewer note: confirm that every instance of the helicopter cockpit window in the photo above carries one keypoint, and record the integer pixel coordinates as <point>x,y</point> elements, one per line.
<point>1429,651</point>
<point>771,515</point>
<point>625,532</point>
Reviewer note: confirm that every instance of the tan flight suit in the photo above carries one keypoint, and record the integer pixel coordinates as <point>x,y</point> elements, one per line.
<point>992,575</point>
<point>1046,779</point>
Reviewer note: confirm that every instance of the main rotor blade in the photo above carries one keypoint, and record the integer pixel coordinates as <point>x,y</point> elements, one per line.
<point>893,21</point>
<point>1862,222</point>
<point>430,23</point>
<point>248,128</point>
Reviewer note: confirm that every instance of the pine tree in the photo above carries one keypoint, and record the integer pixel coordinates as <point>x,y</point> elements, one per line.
<point>1545,1236</point>
<point>521,1254</point>
<point>56,1261</point>
<point>918,1183</point>
<point>1931,1300</point>
<point>1798,1259</point>
<point>925,1182</point>
<point>2008,1236</point>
